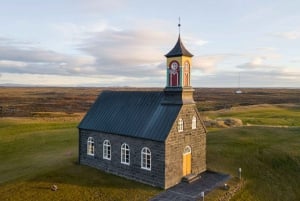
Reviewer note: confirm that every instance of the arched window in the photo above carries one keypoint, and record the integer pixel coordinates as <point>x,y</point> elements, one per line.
<point>106,150</point>
<point>180,125</point>
<point>186,74</point>
<point>194,122</point>
<point>146,158</point>
<point>125,154</point>
<point>90,146</point>
<point>187,150</point>
<point>174,74</point>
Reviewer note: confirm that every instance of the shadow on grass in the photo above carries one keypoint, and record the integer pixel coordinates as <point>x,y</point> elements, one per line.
<point>80,175</point>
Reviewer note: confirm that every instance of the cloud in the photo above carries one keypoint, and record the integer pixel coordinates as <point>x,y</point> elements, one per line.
<point>208,63</point>
<point>255,63</point>
<point>261,59</point>
<point>73,34</point>
<point>41,61</point>
<point>130,53</point>
<point>192,41</point>
<point>99,49</point>
<point>252,66</point>
<point>5,63</point>
<point>290,35</point>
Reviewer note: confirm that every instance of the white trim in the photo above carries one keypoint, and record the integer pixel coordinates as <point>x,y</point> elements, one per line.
<point>144,161</point>
<point>90,149</point>
<point>180,125</point>
<point>106,150</point>
<point>125,154</point>
<point>194,122</point>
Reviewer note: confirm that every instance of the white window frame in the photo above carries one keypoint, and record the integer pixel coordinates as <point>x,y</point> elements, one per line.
<point>146,158</point>
<point>180,125</point>
<point>194,122</point>
<point>125,154</point>
<point>91,146</point>
<point>187,150</point>
<point>106,150</point>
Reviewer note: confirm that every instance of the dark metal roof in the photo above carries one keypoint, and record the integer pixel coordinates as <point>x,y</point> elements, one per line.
<point>179,50</point>
<point>134,114</point>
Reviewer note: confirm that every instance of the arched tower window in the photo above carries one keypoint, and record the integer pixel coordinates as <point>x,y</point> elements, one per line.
<point>125,154</point>
<point>194,122</point>
<point>186,71</point>
<point>106,150</point>
<point>174,74</point>
<point>146,158</point>
<point>90,146</point>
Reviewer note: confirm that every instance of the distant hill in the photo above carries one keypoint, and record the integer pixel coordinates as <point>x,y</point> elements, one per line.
<point>24,100</point>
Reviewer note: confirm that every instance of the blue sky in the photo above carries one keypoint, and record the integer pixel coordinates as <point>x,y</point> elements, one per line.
<point>123,43</point>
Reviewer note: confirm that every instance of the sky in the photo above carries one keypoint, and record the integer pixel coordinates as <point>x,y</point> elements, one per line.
<point>97,43</point>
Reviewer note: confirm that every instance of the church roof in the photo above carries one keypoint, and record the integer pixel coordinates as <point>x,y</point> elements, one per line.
<point>135,114</point>
<point>179,50</point>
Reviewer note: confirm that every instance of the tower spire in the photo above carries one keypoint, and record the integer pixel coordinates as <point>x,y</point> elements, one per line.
<point>178,88</point>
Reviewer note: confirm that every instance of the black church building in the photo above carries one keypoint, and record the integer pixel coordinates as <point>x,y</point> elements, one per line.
<point>154,137</point>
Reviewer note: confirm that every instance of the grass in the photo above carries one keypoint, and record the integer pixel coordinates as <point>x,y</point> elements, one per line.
<point>37,153</point>
<point>30,146</point>
<point>279,115</point>
<point>269,158</point>
<point>76,182</point>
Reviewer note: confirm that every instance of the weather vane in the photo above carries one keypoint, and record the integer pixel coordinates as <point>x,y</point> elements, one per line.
<point>179,24</point>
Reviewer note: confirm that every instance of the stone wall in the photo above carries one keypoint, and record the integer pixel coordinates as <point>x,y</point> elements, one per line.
<point>177,141</point>
<point>231,192</point>
<point>155,177</point>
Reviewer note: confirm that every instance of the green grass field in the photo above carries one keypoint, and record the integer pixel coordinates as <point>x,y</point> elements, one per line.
<point>38,152</point>
<point>277,115</point>
<point>31,146</point>
<point>269,158</point>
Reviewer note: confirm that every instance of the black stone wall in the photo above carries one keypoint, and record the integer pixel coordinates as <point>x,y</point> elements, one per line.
<point>155,177</point>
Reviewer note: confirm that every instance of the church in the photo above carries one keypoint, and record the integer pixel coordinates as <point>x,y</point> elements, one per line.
<point>154,137</point>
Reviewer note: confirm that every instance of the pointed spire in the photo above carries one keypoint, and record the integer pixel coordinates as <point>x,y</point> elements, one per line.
<point>179,25</point>
<point>179,49</point>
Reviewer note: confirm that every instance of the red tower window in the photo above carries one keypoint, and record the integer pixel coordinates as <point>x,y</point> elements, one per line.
<point>174,74</point>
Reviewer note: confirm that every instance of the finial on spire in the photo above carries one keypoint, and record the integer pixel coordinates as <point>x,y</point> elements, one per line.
<point>179,24</point>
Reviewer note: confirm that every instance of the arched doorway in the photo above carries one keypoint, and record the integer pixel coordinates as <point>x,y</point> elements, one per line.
<point>187,161</point>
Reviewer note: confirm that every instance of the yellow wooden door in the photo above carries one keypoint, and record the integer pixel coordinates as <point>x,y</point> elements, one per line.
<point>186,164</point>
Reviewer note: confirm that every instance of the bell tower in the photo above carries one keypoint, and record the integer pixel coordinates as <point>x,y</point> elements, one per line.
<point>178,88</point>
